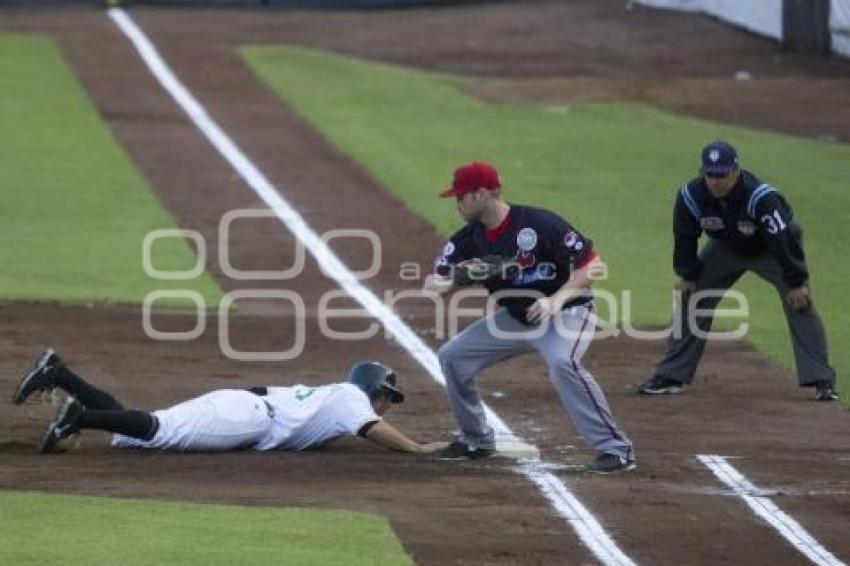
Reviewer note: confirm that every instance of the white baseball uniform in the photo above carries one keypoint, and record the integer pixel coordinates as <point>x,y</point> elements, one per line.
<point>290,418</point>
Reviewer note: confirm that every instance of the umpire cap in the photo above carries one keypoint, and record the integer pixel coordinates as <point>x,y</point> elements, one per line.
<point>375,379</point>
<point>719,158</point>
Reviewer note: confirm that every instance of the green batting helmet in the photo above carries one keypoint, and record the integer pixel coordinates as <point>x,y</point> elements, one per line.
<point>375,379</point>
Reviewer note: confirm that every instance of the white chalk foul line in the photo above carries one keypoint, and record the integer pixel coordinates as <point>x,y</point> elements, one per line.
<point>762,506</point>
<point>566,504</point>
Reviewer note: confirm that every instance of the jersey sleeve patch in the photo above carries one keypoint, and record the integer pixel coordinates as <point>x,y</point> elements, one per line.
<point>573,241</point>
<point>569,247</point>
<point>450,255</point>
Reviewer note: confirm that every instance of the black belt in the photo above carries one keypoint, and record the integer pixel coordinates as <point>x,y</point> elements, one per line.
<point>269,409</point>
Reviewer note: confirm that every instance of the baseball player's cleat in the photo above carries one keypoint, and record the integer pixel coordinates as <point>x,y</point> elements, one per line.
<point>39,378</point>
<point>64,425</point>
<point>825,391</point>
<point>609,464</point>
<point>458,450</point>
<point>660,385</point>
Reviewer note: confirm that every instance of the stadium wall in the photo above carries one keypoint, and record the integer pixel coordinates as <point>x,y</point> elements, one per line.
<point>804,25</point>
<point>839,24</point>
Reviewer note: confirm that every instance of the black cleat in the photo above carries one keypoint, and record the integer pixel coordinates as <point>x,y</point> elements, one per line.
<point>458,450</point>
<point>825,391</point>
<point>64,425</point>
<point>609,464</point>
<point>660,385</point>
<point>39,378</point>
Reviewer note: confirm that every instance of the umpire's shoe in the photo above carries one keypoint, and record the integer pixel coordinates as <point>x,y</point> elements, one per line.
<point>660,385</point>
<point>610,464</point>
<point>825,391</point>
<point>39,378</point>
<point>458,450</point>
<point>64,425</point>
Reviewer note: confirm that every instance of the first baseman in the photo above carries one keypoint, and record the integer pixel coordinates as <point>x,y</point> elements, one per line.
<point>544,305</point>
<point>262,418</point>
<point>750,227</point>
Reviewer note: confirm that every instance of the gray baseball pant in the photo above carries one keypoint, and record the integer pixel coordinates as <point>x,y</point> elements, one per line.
<point>562,346</point>
<point>722,267</point>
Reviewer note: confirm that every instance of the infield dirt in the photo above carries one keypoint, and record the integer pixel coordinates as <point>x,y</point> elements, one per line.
<point>670,511</point>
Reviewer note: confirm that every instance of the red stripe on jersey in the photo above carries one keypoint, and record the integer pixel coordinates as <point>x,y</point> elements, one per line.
<point>590,256</point>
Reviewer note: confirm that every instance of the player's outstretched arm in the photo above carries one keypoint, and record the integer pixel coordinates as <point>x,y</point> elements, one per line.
<point>386,435</point>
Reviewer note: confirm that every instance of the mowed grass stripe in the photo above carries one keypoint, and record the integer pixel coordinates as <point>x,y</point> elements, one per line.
<point>77,530</point>
<point>75,210</point>
<point>612,169</point>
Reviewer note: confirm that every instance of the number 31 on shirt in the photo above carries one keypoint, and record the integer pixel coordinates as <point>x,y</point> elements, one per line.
<point>773,222</point>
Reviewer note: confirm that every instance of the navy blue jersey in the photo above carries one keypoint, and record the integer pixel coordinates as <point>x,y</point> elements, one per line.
<point>546,247</point>
<point>753,218</point>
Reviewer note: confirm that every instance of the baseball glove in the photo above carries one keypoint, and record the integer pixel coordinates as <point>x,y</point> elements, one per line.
<point>483,269</point>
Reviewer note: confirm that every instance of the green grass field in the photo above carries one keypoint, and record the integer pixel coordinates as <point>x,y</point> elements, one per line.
<point>75,210</point>
<point>42,529</point>
<point>612,169</point>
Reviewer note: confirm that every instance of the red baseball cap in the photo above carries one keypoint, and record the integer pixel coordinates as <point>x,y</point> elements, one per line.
<point>473,176</point>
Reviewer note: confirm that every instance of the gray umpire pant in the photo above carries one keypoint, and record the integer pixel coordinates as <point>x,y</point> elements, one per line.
<point>722,267</point>
<point>562,346</point>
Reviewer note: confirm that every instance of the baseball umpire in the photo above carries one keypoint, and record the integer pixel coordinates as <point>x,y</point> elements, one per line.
<point>263,418</point>
<point>750,227</point>
<point>542,289</point>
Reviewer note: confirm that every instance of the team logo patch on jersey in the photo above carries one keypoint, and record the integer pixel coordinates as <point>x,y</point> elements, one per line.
<point>448,250</point>
<point>572,241</point>
<point>542,272</point>
<point>526,240</point>
<point>712,223</point>
<point>746,227</point>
